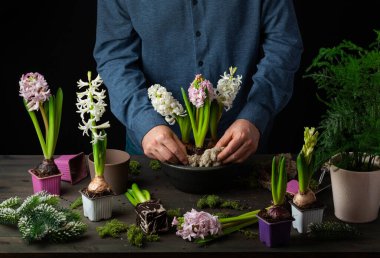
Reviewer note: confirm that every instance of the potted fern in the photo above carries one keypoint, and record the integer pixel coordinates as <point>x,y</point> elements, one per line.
<point>97,196</point>
<point>305,207</point>
<point>275,222</point>
<point>349,77</point>
<point>38,99</point>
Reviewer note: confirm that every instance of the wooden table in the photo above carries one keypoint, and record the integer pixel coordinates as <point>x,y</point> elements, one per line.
<point>14,180</point>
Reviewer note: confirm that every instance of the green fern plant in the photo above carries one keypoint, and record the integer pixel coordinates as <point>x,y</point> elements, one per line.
<point>349,78</point>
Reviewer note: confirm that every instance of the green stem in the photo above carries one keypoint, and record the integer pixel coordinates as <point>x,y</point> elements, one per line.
<point>44,118</point>
<point>50,135</point>
<point>40,136</point>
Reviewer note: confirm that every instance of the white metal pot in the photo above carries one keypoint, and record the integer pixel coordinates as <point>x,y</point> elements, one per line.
<point>356,195</point>
<point>304,217</point>
<point>97,209</point>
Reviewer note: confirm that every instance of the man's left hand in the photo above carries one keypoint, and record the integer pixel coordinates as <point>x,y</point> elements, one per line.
<point>240,141</point>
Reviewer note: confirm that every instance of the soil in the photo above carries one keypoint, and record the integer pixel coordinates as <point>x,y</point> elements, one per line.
<point>151,217</point>
<point>46,168</point>
<point>266,216</point>
<point>91,195</point>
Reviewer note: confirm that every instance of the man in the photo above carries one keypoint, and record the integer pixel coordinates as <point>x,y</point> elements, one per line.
<point>140,43</point>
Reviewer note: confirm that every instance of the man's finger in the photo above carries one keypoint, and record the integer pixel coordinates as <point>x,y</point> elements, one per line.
<point>175,150</point>
<point>166,154</point>
<point>231,148</point>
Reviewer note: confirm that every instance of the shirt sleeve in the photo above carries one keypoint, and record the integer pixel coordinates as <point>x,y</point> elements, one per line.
<point>117,53</point>
<point>273,82</point>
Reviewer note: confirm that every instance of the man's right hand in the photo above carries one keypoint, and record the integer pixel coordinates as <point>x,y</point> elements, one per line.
<point>163,144</point>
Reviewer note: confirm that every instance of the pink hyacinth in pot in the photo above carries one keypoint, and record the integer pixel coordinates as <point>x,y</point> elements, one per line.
<point>37,97</point>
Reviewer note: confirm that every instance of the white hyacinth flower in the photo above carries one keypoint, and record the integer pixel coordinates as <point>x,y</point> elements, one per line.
<point>228,87</point>
<point>91,107</point>
<point>164,103</point>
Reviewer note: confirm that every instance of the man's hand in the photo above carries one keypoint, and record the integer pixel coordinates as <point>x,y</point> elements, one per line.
<point>240,141</point>
<point>161,143</point>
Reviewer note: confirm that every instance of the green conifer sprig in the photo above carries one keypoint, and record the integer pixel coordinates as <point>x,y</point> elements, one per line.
<point>40,217</point>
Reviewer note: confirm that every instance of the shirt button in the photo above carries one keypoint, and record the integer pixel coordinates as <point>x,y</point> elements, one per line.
<point>195,2</point>
<point>198,33</point>
<point>200,63</point>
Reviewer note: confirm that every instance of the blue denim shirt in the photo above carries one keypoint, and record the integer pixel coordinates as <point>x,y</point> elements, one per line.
<point>143,42</point>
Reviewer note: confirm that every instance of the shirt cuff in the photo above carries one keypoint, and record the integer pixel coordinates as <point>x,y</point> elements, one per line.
<point>148,119</point>
<point>256,114</point>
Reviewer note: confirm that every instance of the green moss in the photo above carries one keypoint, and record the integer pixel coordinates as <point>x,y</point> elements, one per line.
<point>214,201</point>
<point>155,164</point>
<point>171,213</point>
<point>249,234</point>
<point>113,228</point>
<point>152,238</point>
<point>135,236</point>
<point>134,167</point>
<point>76,203</point>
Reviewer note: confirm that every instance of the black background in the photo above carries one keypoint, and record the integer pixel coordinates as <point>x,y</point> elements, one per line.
<point>56,39</point>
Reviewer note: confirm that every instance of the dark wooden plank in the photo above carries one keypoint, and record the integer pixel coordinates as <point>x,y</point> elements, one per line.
<point>14,180</point>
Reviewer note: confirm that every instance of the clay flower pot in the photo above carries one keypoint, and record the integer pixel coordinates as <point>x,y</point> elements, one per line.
<point>73,167</point>
<point>116,169</point>
<point>50,184</point>
<point>304,217</point>
<point>274,234</point>
<point>98,208</point>
<point>356,195</point>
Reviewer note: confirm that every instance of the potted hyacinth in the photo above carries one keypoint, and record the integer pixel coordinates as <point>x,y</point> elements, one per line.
<point>204,107</point>
<point>97,196</point>
<point>305,208</point>
<point>38,98</point>
<point>275,222</point>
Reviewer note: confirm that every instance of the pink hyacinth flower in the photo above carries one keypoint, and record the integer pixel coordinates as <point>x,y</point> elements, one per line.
<point>34,89</point>
<point>199,225</point>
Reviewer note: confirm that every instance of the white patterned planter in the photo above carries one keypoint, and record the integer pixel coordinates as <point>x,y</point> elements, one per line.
<point>303,218</point>
<point>98,208</point>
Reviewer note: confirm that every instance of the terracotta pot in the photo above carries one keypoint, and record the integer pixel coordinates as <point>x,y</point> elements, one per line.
<point>115,171</point>
<point>73,167</point>
<point>304,217</point>
<point>50,184</point>
<point>274,234</point>
<point>96,209</point>
<point>356,195</point>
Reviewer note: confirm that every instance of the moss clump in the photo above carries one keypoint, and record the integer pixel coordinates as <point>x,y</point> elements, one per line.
<point>113,228</point>
<point>134,167</point>
<point>117,229</point>
<point>155,164</point>
<point>249,234</point>
<point>214,201</point>
<point>171,213</point>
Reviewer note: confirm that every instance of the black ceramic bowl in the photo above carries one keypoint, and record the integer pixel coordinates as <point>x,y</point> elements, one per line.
<point>202,180</point>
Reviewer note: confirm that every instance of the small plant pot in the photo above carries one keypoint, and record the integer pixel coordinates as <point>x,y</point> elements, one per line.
<point>73,167</point>
<point>274,234</point>
<point>304,217</point>
<point>96,209</point>
<point>116,169</point>
<point>50,184</point>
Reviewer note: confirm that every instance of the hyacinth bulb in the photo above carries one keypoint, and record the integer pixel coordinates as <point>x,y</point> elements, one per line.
<point>303,200</point>
<point>98,185</point>
<point>278,212</point>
